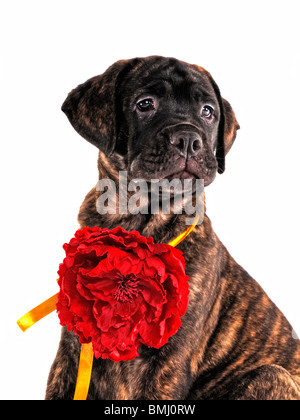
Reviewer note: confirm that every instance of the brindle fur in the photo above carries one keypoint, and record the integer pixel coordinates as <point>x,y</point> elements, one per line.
<point>234,342</point>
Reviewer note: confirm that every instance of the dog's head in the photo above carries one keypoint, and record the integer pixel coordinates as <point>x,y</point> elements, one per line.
<point>160,117</point>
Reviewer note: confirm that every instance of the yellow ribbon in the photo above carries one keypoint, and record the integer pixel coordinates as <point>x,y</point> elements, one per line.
<point>86,353</point>
<point>38,313</point>
<point>84,372</point>
<point>183,235</point>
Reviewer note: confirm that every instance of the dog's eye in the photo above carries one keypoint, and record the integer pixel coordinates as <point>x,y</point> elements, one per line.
<point>146,105</point>
<point>207,112</point>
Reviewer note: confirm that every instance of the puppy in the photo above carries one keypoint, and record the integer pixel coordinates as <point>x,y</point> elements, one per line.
<point>160,118</point>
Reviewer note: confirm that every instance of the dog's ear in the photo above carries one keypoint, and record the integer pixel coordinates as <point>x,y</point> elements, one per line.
<point>228,127</point>
<point>91,107</point>
<point>227,133</point>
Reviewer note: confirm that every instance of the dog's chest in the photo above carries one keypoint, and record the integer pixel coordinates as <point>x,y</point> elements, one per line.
<point>124,380</point>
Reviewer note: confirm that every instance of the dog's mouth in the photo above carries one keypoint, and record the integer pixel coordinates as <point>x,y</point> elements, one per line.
<point>182,169</point>
<point>193,171</point>
<point>181,175</point>
<point>189,169</point>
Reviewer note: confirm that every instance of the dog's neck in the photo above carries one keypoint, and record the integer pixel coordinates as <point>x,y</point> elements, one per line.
<point>162,227</point>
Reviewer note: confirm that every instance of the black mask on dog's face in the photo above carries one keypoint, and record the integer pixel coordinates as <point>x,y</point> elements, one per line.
<point>164,117</point>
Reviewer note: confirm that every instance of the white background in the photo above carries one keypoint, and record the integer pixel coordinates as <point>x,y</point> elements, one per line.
<point>47,48</point>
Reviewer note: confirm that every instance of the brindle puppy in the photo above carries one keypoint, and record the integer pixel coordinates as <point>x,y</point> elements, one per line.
<point>160,118</point>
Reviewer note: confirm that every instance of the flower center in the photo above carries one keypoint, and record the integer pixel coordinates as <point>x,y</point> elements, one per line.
<point>127,288</point>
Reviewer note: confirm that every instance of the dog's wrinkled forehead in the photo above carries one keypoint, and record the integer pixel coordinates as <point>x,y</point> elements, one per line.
<point>164,76</point>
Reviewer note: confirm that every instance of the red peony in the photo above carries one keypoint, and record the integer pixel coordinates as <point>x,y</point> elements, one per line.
<point>120,290</point>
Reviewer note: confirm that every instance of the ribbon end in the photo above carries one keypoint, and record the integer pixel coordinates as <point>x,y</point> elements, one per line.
<point>23,324</point>
<point>37,313</point>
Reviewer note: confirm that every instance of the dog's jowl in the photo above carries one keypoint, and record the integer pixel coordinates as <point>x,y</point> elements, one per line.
<point>159,118</point>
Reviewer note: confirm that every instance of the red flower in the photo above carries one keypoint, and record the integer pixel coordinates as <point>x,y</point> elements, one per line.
<point>119,290</point>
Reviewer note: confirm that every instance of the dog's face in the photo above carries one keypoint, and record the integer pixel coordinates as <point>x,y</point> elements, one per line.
<point>156,117</point>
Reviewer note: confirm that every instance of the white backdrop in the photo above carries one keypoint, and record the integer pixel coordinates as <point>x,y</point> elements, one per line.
<point>47,48</point>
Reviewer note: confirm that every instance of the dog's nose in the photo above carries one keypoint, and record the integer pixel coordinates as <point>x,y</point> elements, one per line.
<point>187,143</point>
